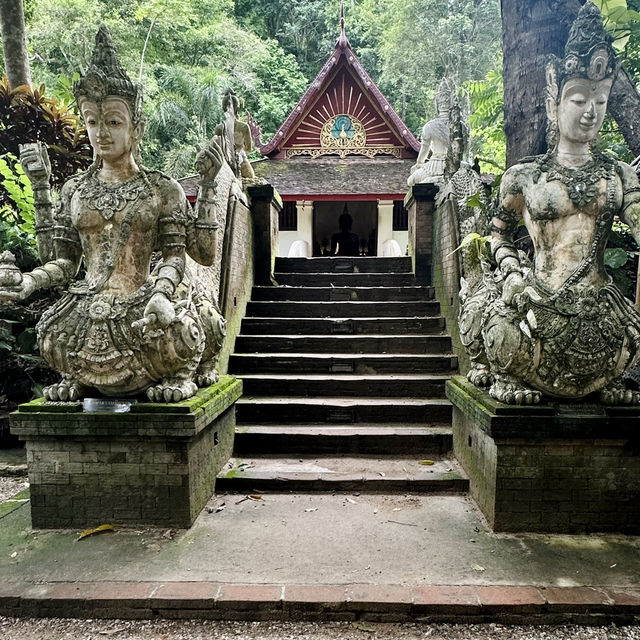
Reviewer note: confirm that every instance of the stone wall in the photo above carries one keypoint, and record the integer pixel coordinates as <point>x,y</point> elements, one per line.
<point>238,277</point>
<point>446,268</point>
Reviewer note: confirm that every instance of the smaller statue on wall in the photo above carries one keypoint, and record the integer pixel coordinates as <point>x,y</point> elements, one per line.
<point>431,163</point>
<point>236,140</point>
<point>559,326</point>
<point>123,329</point>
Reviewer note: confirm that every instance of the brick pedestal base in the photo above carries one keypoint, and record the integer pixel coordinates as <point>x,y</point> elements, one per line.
<point>155,465</point>
<point>562,468</point>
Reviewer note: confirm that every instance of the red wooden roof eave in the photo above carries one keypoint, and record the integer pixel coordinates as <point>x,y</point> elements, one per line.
<point>313,92</point>
<point>341,197</point>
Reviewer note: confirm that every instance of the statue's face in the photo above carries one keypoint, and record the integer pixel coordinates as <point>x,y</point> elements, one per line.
<point>109,127</point>
<point>583,105</point>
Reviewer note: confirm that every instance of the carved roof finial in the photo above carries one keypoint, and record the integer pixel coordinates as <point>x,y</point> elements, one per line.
<point>342,40</point>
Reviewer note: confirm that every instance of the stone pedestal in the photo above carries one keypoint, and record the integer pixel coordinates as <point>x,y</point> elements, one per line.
<point>564,468</point>
<point>155,465</point>
<point>420,203</point>
<point>266,205</point>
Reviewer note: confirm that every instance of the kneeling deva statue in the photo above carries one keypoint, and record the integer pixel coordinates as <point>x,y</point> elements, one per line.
<point>559,326</point>
<point>123,329</point>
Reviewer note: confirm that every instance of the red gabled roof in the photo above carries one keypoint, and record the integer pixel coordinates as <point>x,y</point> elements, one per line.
<point>342,87</point>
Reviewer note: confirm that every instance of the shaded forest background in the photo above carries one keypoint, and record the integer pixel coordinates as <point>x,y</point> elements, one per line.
<point>187,52</point>
<point>190,51</point>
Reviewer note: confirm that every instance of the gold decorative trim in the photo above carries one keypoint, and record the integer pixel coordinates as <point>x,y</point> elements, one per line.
<point>369,152</point>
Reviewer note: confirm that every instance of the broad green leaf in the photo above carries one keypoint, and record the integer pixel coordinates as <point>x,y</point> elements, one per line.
<point>615,258</point>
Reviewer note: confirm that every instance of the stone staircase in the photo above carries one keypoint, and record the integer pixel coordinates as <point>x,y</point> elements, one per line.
<point>344,366</point>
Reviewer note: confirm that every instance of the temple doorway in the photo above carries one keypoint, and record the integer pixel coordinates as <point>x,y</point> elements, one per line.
<point>365,224</point>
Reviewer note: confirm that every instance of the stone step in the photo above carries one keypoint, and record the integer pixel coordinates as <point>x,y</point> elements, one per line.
<point>345,385</point>
<point>349,326</point>
<point>342,294</point>
<point>364,474</point>
<point>375,343</point>
<point>338,410</point>
<point>342,309</point>
<point>240,363</point>
<point>344,265</point>
<point>317,439</point>
<point>298,279</point>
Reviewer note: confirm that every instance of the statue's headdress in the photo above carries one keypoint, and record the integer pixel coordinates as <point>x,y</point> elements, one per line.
<point>588,52</point>
<point>107,77</point>
<point>443,96</point>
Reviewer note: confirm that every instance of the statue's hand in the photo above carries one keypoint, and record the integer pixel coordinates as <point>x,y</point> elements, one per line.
<point>35,162</point>
<point>209,161</point>
<point>512,287</point>
<point>21,292</point>
<point>158,314</point>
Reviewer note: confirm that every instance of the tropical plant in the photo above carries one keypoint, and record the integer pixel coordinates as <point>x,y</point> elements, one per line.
<point>29,115</point>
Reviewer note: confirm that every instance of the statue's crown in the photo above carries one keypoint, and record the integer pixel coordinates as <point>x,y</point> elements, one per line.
<point>443,96</point>
<point>107,77</point>
<point>588,52</point>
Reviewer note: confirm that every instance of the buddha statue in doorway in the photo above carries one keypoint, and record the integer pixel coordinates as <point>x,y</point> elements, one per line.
<point>345,242</point>
<point>559,326</point>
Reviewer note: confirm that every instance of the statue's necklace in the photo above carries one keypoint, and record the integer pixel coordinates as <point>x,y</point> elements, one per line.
<point>108,198</point>
<point>580,182</point>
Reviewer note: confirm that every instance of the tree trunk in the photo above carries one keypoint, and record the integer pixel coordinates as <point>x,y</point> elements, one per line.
<point>14,43</point>
<point>530,32</point>
<point>624,106</point>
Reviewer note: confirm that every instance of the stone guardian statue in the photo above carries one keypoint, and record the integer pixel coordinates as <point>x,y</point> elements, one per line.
<point>431,163</point>
<point>560,327</point>
<point>123,329</point>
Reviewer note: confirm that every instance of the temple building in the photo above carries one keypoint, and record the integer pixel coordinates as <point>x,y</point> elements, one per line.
<point>343,148</point>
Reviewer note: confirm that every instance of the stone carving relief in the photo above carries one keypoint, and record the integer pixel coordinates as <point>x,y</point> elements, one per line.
<point>559,326</point>
<point>125,328</point>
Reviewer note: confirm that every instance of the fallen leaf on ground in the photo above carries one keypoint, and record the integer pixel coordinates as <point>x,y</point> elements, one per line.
<point>254,497</point>
<point>103,528</point>
<point>360,626</point>
<point>426,463</point>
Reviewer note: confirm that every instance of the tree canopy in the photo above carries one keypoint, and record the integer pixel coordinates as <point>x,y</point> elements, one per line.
<point>188,52</point>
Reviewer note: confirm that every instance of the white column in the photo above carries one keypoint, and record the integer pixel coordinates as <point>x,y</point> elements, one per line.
<point>385,223</point>
<point>305,221</point>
